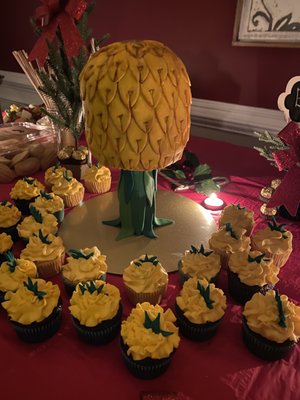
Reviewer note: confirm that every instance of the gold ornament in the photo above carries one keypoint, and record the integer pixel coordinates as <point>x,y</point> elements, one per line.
<point>268,212</point>
<point>63,154</point>
<point>137,98</point>
<point>275,183</point>
<point>78,155</point>
<point>266,193</point>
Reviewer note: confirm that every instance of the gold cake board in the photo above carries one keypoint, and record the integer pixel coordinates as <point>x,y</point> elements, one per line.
<point>83,227</point>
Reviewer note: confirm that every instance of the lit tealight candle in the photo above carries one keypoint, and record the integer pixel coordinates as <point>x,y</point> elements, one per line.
<point>213,202</point>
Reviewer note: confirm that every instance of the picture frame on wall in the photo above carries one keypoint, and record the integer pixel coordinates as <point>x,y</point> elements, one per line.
<point>268,23</point>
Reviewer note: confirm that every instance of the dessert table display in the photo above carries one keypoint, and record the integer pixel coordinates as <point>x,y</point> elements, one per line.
<point>221,367</point>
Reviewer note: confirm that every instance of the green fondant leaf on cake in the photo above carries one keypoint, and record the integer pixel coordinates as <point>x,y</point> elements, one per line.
<point>66,176</point>
<point>153,260</point>
<point>90,287</point>
<point>36,214</point>
<point>279,228</point>
<point>205,293</point>
<point>155,325</point>
<point>257,259</point>
<point>44,239</point>
<point>280,309</point>
<point>201,250</point>
<point>33,287</point>
<point>46,195</point>
<point>11,262</point>
<point>79,254</point>
<point>30,181</point>
<point>229,229</point>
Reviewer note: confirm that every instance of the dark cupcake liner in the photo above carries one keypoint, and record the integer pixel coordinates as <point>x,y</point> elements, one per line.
<point>2,295</point>
<point>23,205</point>
<point>184,277</point>
<point>70,287</point>
<point>59,215</point>
<point>264,348</point>
<point>241,292</point>
<point>147,368</point>
<point>12,231</point>
<point>199,332</point>
<point>40,331</point>
<point>102,333</point>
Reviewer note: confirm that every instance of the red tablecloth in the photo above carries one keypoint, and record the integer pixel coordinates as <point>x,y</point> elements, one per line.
<point>221,368</point>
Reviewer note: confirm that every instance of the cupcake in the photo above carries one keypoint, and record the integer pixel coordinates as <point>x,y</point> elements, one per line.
<point>30,225</point>
<point>47,252</point>
<point>228,240</point>
<point>274,241</point>
<point>13,272</point>
<point>271,325</point>
<point>34,310</point>
<point>202,263</point>
<point>6,244</point>
<point>97,179</point>
<point>238,217</point>
<point>96,311</point>
<point>199,309</point>
<point>24,192</point>
<point>10,216</point>
<point>250,272</point>
<point>83,265</point>
<point>50,203</point>
<point>54,174</point>
<point>149,339</point>
<point>70,190</point>
<point>145,280</point>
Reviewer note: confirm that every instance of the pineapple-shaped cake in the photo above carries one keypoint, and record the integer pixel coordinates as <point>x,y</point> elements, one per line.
<point>136,98</point>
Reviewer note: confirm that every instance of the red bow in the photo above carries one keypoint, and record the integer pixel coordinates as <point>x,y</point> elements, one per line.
<point>288,193</point>
<point>49,16</point>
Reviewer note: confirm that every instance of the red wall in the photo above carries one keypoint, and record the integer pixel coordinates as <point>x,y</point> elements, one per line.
<point>198,31</point>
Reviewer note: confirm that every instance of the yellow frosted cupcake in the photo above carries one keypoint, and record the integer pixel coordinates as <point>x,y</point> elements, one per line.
<point>202,263</point>
<point>250,272</point>
<point>13,272</point>
<point>271,325</point>
<point>70,190</point>
<point>50,203</point>
<point>47,252</point>
<point>149,339</point>
<point>275,242</point>
<point>83,265</point>
<point>199,308</point>
<point>238,217</point>
<point>228,240</point>
<point>6,244</point>
<point>24,192</point>
<point>54,174</point>
<point>34,310</point>
<point>145,280</point>
<point>97,179</point>
<point>96,311</point>
<point>31,225</point>
<point>10,216</point>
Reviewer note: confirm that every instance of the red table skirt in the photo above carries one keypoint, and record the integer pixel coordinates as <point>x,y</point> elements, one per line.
<point>221,368</point>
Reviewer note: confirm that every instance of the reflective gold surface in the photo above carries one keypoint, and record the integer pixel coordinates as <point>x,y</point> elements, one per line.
<point>82,227</point>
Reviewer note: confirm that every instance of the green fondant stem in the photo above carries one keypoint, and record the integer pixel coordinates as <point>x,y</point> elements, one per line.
<point>137,205</point>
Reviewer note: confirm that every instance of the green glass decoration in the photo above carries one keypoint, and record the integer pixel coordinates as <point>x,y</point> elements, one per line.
<point>155,325</point>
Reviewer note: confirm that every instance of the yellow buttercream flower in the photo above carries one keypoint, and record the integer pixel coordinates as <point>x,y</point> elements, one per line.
<point>6,242</point>
<point>12,277</point>
<point>9,214</point>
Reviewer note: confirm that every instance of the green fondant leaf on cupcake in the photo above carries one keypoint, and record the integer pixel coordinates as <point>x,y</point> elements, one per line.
<point>257,259</point>
<point>153,260</point>
<point>201,250</point>
<point>238,206</point>
<point>229,229</point>
<point>5,203</point>
<point>36,214</point>
<point>44,239</point>
<point>33,287</point>
<point>56,166</point>
<point>280,309</point>
<point>30,181</point>
<point>90,287</point>
<point>275,227</point>
<point>66,176</point>
<point>205,293</point>
<point>46,195</point>
<point>79,254</point>
<point>11,262</point>
<point>155,325</point>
